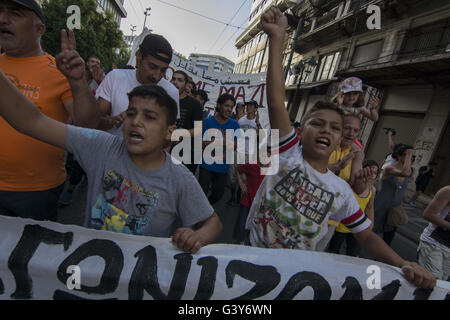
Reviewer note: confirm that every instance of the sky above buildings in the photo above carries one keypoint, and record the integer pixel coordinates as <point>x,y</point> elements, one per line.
<point>190,33</point>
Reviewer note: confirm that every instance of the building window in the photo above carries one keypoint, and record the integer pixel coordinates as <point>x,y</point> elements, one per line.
<point>367,53</point>
<point>430,39</point>
<point>328,66</point>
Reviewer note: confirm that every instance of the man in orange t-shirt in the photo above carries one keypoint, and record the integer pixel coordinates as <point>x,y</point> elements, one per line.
<point>32,173</point>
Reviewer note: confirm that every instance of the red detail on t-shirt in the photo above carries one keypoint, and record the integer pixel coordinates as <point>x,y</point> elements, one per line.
<point>254,179</point>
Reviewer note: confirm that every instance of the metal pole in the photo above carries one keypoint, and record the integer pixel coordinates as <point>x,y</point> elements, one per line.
<point>294,101</point>
<point>133,28</point>
<point>297,33</point>
<point>147,13</point>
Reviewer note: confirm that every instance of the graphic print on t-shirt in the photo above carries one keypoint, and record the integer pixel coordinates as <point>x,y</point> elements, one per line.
<point>310,200</point>
<point>114,206</point>
<point>291,214</point>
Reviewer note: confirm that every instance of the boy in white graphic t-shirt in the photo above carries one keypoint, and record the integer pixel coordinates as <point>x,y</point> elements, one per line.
<point>291,208</point>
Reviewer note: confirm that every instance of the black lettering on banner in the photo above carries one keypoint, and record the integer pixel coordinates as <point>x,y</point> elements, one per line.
<point>301,280</point>
<point>62,295</point>
<point>388,292</point>
<point>105,249</point>
<point>32,236</point>
<point>422,294</point>
<point>266,278</point>
<point>145,276</point>
<point>207,278</point>
<point>2,287</point>
<point>353,290</point>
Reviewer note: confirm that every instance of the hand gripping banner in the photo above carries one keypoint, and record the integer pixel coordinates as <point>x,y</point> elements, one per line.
<point>46,260</point>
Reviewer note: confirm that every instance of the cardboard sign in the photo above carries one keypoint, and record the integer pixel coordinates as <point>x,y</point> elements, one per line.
<point>244,87</point>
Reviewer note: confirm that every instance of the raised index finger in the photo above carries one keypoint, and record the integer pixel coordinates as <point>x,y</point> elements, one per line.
<point>64,40</point>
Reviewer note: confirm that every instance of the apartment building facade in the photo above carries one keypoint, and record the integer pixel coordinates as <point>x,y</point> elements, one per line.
<point>252,42</point>
<point>406,63</point>
<point>211,62</point>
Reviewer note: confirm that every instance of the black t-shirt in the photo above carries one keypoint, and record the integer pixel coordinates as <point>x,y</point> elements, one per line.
<point>190,111</point>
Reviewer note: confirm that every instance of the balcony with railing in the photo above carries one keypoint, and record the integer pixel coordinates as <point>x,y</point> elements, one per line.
<point>338,21</point>
<point>428,40</point>
<point>423,56</point>
<point>346,18</point>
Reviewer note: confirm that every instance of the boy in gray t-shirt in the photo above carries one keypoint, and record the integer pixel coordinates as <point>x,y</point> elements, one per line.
<point>134,187</point>
<point>124,198</point>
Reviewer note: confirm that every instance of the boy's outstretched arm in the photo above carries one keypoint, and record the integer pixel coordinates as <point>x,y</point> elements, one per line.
<point>379,250</point>
<point>191,240</point>
<point>274,23</point>
<point>26,118</point>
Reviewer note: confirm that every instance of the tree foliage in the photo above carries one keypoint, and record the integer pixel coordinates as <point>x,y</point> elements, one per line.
<point>99,34</point>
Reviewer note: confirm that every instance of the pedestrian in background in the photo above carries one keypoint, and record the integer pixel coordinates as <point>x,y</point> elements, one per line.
<point>434,246</point>
<point>391,191</point>
<point>248,191</point>
<point>239,111</point>
<point>422,181</point>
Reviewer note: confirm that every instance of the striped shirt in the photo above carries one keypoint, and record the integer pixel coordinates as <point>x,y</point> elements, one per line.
<point>292,208</point>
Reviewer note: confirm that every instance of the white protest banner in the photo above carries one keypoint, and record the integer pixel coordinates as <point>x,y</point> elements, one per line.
<point>244,87</point>
<point>46,260</point>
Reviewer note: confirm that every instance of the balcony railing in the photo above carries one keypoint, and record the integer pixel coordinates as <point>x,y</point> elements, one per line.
<point>432,39</point>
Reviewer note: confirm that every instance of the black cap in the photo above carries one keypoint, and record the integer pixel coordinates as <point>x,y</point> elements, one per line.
<point>154,45</point>
<point>253,102</point>
<point>33,6</point>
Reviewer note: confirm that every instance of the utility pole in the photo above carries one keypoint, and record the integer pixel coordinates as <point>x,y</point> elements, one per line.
<point>147,13</point>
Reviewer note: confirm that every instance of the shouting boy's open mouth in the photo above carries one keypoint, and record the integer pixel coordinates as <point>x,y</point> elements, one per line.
<point>323,142</point>
<point>135,137</point>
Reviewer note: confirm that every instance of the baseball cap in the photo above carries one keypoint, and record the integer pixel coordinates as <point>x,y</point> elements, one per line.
<point>155,45</point>
<point>33,6</point>
<point>352,84</point>
<point>253,102</point>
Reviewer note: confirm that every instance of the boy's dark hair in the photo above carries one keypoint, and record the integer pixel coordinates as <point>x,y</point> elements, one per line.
<point>370,163</point>
<point>322,105</point>
<point>296,124</point>
<point>202,94</point>
<point>161,97</point>
<point>225,97</point>
<point>194,86</point>
<point>184,74</point>
<point>400,149</point>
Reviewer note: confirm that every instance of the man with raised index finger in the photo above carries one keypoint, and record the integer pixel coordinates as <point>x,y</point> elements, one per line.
<point>32,173</point>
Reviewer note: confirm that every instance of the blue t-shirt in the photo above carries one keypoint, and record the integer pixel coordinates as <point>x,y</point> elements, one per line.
<point>212,123</point>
